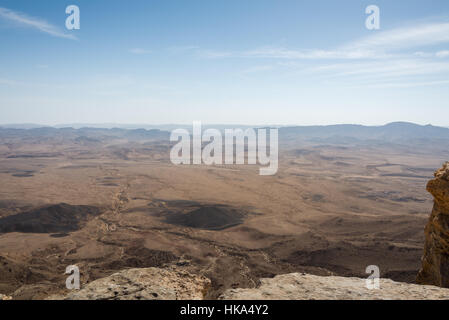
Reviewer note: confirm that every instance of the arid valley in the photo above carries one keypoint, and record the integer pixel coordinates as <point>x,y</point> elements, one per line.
<point>344,197</point>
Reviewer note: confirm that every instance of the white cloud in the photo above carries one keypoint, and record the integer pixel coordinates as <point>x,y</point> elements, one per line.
<point>383,44</point>
<point>422,54</point>
<point>283,53</point>
<point>181,49</point>
<point>406,84</point>
<point>35,23</point>
<point>9,82</point>
<point>442,54</point>
<point>258,69</point>
<point>394,73</point>
<point>385,58</point>
<point>139,51</point>
<point>378,46</point>
<point>405,37</point>
<point>393,68</point>
<point>211,54</point>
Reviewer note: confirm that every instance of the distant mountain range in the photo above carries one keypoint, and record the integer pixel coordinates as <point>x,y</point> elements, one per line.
<point>163,127</point>
<point>392,132</point>
<point>86,134</point>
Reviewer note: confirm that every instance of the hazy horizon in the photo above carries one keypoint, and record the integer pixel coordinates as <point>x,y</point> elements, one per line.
<point>173,125</point>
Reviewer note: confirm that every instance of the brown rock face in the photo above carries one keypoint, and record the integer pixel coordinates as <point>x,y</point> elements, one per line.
<point>435,262</point>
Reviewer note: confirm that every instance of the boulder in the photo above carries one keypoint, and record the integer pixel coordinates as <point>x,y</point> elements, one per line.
<point>301,286</point>
<point>142,284</point>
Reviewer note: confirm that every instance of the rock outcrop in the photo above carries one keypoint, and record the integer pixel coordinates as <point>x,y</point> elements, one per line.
<point>301,286</point>
<point>435,261</point>
<point>142,284</point>
<point>4,297</point>
<point>171,284</point>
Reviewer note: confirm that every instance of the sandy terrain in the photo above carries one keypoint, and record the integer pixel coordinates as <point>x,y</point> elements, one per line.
<point>110,204</point>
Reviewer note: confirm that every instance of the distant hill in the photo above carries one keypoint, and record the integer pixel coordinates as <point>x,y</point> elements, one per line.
<point>86,134</point>
<point>395,131</point>
<point>22,126</point>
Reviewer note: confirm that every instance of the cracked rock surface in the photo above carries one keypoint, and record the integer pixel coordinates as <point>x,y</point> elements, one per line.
<point>301,286</point>
<point>142,284</point>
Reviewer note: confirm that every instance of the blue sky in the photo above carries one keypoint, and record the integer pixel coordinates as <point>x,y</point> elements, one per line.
<point>239,62</point>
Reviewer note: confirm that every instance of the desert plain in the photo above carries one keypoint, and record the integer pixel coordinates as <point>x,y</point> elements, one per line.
<point>110,199</point>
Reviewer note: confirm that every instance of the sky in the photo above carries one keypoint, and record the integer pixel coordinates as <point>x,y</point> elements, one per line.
<point>256,62</point>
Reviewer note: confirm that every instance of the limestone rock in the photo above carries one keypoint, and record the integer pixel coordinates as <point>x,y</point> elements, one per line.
<point>142,284</point>
<point>435,261</point>
<point>300,286</point>
<point>5,297</point>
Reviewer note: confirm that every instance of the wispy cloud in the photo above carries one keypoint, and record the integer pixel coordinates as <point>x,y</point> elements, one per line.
<point>139,51</point>
<point>393,68</point>
<point>417,84</point>
<point>404,38</point>
<point>383,44</point>
<point>283,53</point>
<point>295,54</point>
<point>213,54</point>
<point>405,84</point>
<point>442,54</point>
<point>258,69</point>
<point>35,23</point>
<point>181,49</point>
<point>387,58</point>
<point>9,82</point>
